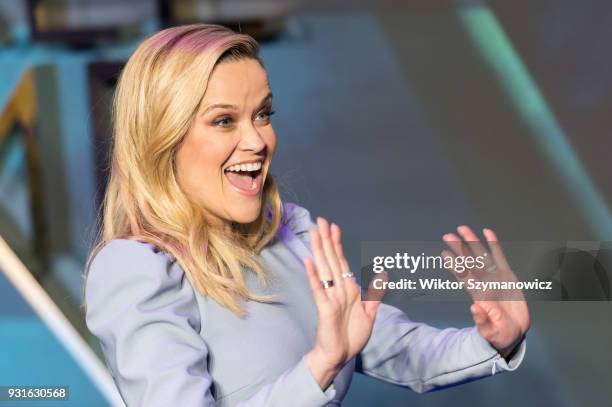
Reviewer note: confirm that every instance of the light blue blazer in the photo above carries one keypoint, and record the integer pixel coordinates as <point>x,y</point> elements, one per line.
<point>166,345</point>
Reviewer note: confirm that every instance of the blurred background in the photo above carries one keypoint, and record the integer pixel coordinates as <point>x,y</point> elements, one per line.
<point>399,120</point>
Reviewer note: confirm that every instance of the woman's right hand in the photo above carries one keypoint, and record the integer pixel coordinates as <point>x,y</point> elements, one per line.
<point>345,321</point>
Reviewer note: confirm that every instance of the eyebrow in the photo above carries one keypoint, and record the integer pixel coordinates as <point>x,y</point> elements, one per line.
<point>268,97</point>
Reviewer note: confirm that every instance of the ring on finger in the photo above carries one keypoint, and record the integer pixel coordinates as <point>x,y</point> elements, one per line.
<point>492,268</point>
<point>347,275</point>
<point>327,283</point>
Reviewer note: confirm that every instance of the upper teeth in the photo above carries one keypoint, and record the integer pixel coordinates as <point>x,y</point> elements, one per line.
<point>245,167</point>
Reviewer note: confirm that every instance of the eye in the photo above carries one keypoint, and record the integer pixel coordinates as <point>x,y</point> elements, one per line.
<point>225,121</point>
<point>265,115</point>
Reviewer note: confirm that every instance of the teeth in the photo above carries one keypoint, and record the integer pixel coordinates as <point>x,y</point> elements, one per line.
<point>245,167</point>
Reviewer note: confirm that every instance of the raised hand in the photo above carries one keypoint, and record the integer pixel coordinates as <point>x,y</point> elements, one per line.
<point>502,322</point>
<point>345,321</point>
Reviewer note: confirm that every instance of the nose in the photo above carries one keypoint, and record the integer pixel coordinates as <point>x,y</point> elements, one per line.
<point>251,140</point>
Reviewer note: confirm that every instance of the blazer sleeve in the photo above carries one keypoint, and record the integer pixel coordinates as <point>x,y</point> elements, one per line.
<point>425,358</point>
<point>144,311</point>
<point>417,355</point>
<point>297,222</point>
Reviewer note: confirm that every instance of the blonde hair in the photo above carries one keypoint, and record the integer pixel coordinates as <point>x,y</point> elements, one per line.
<point>157,97</point>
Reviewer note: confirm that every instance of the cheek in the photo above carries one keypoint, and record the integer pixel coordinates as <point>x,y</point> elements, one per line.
<point>200,162</point>
<point>213,156</point>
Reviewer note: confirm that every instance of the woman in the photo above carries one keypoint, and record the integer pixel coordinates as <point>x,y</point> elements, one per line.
<point>199,287</point>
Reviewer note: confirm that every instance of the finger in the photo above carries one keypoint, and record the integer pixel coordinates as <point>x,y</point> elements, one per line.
<point>330,254</point>
<point>455,243</point>
<point>318,292</point>
<point>481,254</point>
<point>350,284</point>
<point>460,276</point>
<point>338,248</point>
<point>504,273</point>
<point>496,251</point>
<point>472,240</point>
<point>320,261</point>
<point>449,257</point>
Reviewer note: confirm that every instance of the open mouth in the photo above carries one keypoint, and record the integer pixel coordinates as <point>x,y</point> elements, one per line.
<point>246,178</point>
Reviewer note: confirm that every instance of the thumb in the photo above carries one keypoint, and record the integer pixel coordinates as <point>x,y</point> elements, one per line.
<point>480,316</point>
<point>371,307</point>
<point>374,295</point>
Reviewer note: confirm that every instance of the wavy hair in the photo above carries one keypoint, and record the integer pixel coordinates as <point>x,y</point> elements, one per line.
<point>157,97</point>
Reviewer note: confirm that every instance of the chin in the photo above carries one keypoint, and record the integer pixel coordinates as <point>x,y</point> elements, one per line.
<point>247,213</point>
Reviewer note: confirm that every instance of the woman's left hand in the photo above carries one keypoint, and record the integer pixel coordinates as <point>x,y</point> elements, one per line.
<point>501,322</point>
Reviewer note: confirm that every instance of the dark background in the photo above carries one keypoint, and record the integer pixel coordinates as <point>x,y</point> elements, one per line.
<point>398,120</point>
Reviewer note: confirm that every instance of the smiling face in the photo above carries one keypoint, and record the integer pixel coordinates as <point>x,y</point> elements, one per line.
<point>224,159</point>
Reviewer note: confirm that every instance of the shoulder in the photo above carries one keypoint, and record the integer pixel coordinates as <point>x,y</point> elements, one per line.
<point>125,256</point>
<point>126,250</point>
<point>296,218</point>
<point>295,224</point>
<point>124,266</point>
